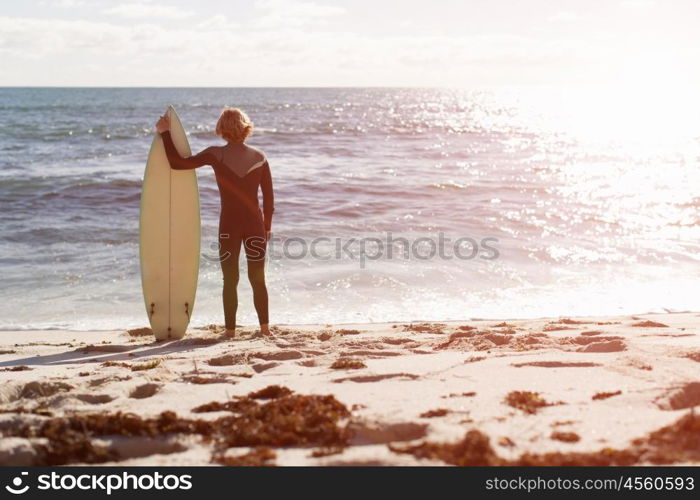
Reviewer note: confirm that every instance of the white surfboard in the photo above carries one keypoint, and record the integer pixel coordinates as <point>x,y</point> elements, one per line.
<point>169,237</point>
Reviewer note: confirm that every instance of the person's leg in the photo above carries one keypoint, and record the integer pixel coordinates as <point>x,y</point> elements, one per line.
<point>255,249</point>
<point>229,252</point>
<point>256,275</point>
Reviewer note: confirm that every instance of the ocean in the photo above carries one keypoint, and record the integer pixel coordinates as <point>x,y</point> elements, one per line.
<point>498,203</point>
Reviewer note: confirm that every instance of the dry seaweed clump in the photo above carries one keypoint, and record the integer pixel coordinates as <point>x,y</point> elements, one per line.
<point>259,457</point>
<point>69,438</point>
<point>348,364</point>
<point>424,327</point>
<point>20,368</point>
<point>270,392</point>
<point>440,412</point>
<point>565,437</point>
<point>285,420</point>
<point>148,365</point>
<point>139,332</point>
<point>675,443</point>
<point>527,401</point>
<point>347,331</point>
<point>605,395</point>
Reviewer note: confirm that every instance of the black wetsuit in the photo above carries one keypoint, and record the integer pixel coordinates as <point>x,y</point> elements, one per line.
<point>240,170</point>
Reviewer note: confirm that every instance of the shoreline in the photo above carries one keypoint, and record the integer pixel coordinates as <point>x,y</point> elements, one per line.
<point>371,323</point>
<point>570,386</point>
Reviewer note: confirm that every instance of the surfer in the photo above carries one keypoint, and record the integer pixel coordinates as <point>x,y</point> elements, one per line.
<point>240,171</point>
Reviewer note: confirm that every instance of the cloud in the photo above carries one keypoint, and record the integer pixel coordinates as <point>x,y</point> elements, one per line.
<point>147,11</point>
<point>278,14</point>
<point>637,4</point>
<point>78,52</point>
<point>39,51</point>
<point>64,4</point>
<point>216,22</point>
<point>564,17</point>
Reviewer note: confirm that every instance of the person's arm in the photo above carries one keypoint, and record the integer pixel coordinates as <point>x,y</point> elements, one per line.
<point>268,196</point>
<point>176,161</point>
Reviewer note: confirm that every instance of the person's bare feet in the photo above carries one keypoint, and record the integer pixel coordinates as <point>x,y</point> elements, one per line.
<point>264,332</point>
<point>230,332</point>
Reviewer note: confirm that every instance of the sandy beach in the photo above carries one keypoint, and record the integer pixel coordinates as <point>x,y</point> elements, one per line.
<point>607,390</point>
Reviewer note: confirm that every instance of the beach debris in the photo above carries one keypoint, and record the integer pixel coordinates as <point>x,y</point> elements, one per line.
<point>347,331</point>
<point>377,378</point>
<point>148,365</point>
<point>566,437</point>
<point>424,327</point>
<point>326,451</point>
<point>271,392</point>
<point>202,380</point>
<point>348,364</point>
<point>258,457</point>
<point>460,395</point>
<point>139,332</point>
<point>569,321</point>
<point>474,359</point>
<point>440,412</point>
<point>506,442</point>
<point>605,395</point>
<point>678,442</point>
<point>287,420</point>
<point>527,401</point>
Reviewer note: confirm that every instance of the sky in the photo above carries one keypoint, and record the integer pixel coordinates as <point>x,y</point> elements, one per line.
<point>463,43</point>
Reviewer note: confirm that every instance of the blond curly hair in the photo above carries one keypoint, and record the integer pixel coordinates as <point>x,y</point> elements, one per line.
<point>234,125</point>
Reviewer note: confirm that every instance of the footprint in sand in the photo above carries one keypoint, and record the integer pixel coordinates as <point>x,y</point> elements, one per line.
<point>377,378</point>
<point>687,396</point>
<point>649,324</point>
<point>228,360</point>
<point>261,367</point>
<point>366,432</point>
<point>557,364</point>
<point>144,391</point>
<point>605,346</point>
<point>377,353</point>
<point>278,356</point>
<point>32,390</point>
<point>95,399</point>
<point>695,356</point>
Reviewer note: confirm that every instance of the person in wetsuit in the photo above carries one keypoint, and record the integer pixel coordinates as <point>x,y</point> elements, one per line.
<point>240,170</point>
